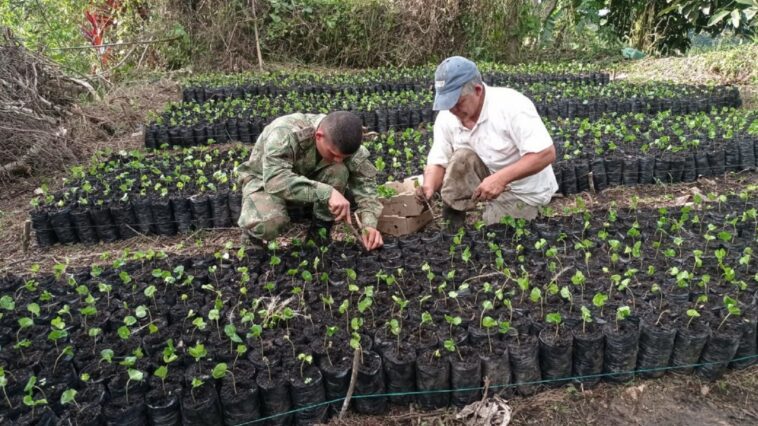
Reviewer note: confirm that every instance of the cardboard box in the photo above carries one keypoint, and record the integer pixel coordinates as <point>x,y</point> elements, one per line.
<point>402,225</point>
<point>402,214</point>
<point>404,203</point>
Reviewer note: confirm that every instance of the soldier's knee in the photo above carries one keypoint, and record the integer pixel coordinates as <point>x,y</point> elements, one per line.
<point>270,229</point>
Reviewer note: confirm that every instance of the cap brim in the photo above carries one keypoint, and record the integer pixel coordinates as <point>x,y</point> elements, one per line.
<point>446,101</point>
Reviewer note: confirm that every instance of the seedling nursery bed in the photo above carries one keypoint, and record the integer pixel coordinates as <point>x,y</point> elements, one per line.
<point>175,191</point>
<point>270,335</point>
<point>191,123</point>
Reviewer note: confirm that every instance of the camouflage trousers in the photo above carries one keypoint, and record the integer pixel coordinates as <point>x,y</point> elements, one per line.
<point>264,216</point>
<point>463,174</point>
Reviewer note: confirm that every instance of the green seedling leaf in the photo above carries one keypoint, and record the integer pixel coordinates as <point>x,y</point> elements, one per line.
<point>219,371</point>
<point>231,332</point>
<point>68,396</point>
<point>489,322</point>
<point>599,300</point>
<point>135,375</point>
<point>161,372</point>
<point>553,318</point>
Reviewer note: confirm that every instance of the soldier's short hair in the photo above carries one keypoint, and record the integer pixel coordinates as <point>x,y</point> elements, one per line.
<point>345,130</point>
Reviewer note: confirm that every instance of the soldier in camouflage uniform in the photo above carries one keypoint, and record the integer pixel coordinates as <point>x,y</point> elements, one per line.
<point>309,159</point>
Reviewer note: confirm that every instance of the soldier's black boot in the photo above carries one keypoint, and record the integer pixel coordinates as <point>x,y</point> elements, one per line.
<point>320,232</point>
<point>455,219</point>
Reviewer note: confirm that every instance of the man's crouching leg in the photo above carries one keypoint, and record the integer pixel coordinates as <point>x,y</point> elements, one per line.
<point>263,216</point>
<point>463,174</point>
<point>507,204</point>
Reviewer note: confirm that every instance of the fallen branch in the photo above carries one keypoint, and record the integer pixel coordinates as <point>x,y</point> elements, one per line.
<point>353,379</point>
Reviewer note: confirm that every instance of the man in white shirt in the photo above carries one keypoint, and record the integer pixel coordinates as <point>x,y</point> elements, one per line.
<point>490,145</point>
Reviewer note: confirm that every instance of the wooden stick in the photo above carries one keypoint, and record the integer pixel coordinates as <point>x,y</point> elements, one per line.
<point>353,379</point>
<point>26,237</point>
<point>357,235</point>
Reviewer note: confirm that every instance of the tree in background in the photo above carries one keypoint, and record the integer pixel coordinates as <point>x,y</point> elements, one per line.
<point>664,26</point>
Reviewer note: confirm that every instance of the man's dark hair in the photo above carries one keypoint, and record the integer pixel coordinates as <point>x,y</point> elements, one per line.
<point>345,130</point>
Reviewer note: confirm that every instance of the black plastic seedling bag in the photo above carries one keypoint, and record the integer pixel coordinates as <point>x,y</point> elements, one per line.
<point>275,398</point>
<point>370,382</point>
<point>631,174</point>
<point>241,407</point>
<point>689,172</point>
<point>60,221</point>
<point>614,171</point>
<point>588,357</point>
<point>599,179</point>
<point>311,395</point>
<point>748,156</point>
<point>203,409</point>
<point>201,212</point>
<point>525,364</point>
<point>747,346</point>
<point>647,170</point>
<point>497,367</point>
<point>716,161</point>
<point>163,217</point>
<point>582,170</point>
<point>144,214</point>
<point>688,346</point>
<point>124,219</point>
<point>701,164</point>
<point>165,410</point>
<point>336,380</point>
<point>555,356</point>
<point>676,169</point>
<point>718,352</point>
<point>220,210</point>
<point>180,206</point>
<point>399,372</point>
<point>655,346</point>
<point>662,171</point>
<point>569,179</point>
<point>732,157</point>
<point>85,229</point>
<point>101,218</point>
<point>235,207</point>
<point>432,374</point>
<point>42,229</point>
<point>123,414</point>
<point>466,379</point>
<point>620,356</point>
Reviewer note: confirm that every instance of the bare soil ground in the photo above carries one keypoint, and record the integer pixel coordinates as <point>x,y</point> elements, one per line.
<point>670,401</point>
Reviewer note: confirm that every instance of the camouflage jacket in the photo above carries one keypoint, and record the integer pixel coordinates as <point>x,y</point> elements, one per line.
<point>285,156</point>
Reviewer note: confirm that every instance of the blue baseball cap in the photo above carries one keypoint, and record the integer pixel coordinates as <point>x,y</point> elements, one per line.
<point>451,75</point>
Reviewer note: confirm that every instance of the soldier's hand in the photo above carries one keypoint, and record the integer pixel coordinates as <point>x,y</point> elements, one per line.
<point>372,238</point>
<point>424,194</point>
<point>339,207</point>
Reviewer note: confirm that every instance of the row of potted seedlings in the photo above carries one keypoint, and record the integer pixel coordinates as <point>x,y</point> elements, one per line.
<point>125,194</point>
<point>169,192</point>
<point>190,123</point>
<point>617,149</point>
<point>241,335</point>
<point>222,86</point>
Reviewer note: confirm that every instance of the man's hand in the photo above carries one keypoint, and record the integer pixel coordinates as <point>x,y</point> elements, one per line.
<point>424,194</point>
<point>339,207</point>
<point>372,239</point>
<point>490,188</point>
